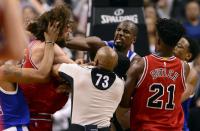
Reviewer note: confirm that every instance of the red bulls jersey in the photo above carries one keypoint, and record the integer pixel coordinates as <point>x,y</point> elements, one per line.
<point>41,98</point>
<point>156,102</point>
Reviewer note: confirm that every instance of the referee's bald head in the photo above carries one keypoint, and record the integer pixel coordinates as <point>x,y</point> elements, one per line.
<point>106,58</point>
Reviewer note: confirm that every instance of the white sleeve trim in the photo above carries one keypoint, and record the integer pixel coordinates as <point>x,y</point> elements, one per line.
<point>183,75</point>
<point>144,72</point>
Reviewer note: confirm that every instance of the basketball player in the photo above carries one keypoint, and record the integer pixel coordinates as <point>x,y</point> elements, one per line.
<point>124,39</point>
<point>101,90</point>
<point>187,50</point>
<point>14,112</point>
<point>44,99</point>
<point>13,37</point>
<point>155,84</point>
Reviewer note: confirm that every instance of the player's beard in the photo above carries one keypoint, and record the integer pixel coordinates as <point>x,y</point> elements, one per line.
<point>120,47</point>
<point>119,44</point>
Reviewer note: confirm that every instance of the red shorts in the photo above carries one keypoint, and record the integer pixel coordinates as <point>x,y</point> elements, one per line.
<point>41,122</point>
<point>40,125</point>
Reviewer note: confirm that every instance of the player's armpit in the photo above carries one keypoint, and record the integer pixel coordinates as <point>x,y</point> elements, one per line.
<point>55,71</point>
<point>133,75</point>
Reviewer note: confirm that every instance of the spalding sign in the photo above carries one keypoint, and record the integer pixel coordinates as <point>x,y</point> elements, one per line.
<point>117,15</point>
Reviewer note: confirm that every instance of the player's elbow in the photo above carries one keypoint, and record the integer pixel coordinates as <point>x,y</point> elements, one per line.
<point>41,77</point>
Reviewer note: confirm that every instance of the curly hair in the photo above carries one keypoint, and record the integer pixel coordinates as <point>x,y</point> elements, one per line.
<point>169,31</point>
<point>60,14</point>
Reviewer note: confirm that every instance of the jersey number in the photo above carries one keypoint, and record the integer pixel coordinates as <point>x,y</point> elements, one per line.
<point>103,80</point>
<point>154,101</point>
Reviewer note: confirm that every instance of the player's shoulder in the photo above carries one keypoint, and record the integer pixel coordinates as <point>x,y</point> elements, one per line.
<point>36,46</point>
<point>109,43</point>
<point>137,67</point>
<point>139,62</point>
<point>136,59</point>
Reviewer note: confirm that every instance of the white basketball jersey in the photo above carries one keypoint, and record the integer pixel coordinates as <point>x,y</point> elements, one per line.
<point>96,94</point>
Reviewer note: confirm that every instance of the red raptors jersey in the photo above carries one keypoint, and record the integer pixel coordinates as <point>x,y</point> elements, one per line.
<point>156,103</point>
<point>42,98</point>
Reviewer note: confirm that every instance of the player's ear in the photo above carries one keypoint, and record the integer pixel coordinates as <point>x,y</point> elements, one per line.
<point>188,56</point>
<point>96,62</point>
<point>134,39</point>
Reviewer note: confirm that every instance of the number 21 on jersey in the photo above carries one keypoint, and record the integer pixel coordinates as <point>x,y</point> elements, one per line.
<point>155,101</point>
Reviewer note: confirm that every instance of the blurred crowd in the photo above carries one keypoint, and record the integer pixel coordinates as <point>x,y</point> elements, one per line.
<point>185,11</point>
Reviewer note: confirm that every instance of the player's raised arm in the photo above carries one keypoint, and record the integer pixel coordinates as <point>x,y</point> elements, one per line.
<point>13,31</point>
<point>86,44</point>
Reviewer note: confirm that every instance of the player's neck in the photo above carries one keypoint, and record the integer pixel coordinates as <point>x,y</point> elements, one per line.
<point>125,51</point>
<point>164,54</point>
<point>103,68</point>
